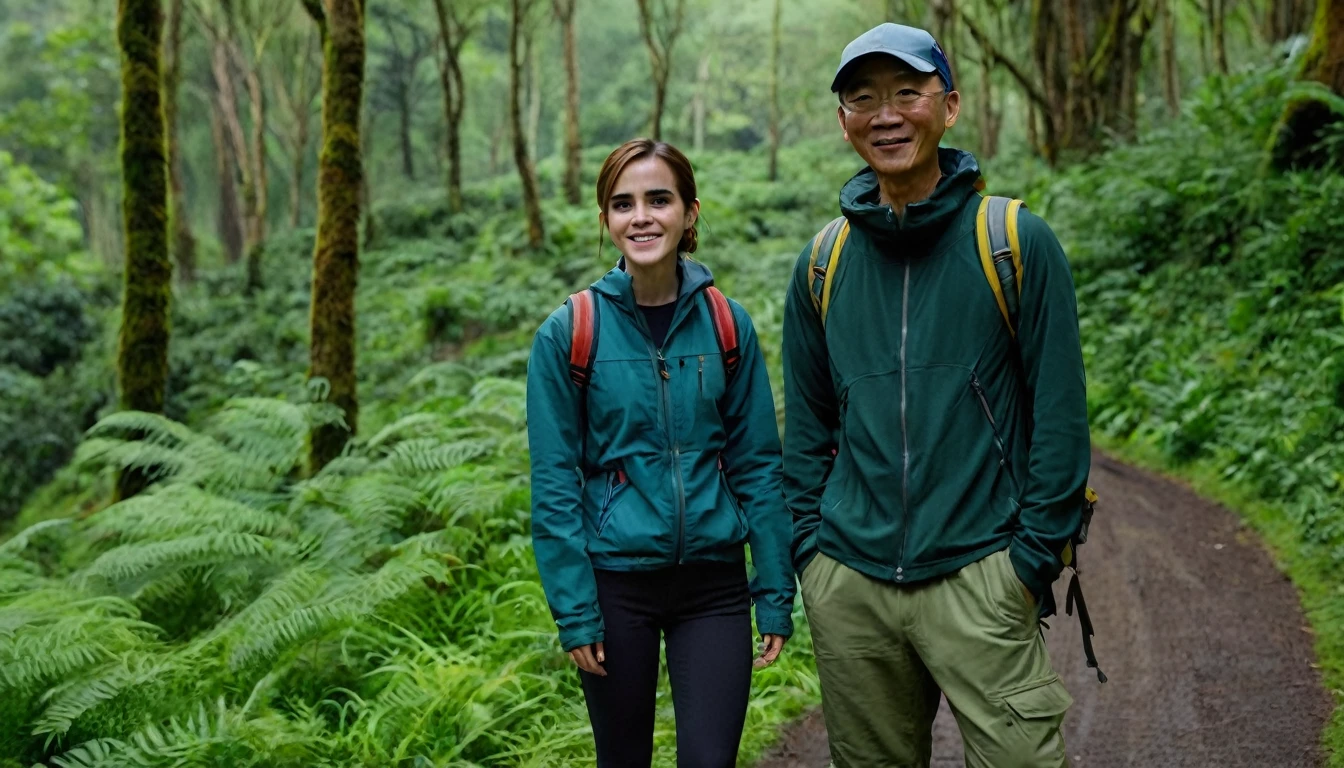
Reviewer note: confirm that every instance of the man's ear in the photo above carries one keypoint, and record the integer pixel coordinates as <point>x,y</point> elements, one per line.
<point>953,108</point>
<point>840,115</point>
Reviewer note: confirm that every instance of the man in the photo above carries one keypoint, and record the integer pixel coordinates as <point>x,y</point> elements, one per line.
<point>935,463</point>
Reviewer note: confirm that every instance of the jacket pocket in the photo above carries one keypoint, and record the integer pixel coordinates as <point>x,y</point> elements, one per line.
<point>979,392</point>
<point>616,481</point>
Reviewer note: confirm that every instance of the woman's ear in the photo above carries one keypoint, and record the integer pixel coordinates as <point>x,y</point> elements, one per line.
<point>693,213</point>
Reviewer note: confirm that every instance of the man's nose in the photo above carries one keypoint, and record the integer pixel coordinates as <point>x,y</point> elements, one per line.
<point>888,116</point>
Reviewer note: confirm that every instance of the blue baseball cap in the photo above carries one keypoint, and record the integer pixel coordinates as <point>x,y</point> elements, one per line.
<point>911,45</point>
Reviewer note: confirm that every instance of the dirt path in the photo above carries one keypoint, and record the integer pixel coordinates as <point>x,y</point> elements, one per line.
<point>1208,655</point>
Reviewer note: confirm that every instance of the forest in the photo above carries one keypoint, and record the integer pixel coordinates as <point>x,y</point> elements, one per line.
<point>270,271</point>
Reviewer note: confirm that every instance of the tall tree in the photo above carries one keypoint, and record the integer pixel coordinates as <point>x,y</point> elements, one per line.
<point>521,14</point>
<point>774,92</point>
<point>228,217</point>
<point>184,242</point>
<point>1171,73</point>
<point>408,47</point>
<point>1298,140</point>
<point>336,253</point>
<point>1285,18</point>
<point>457,22</point>
<point>564,12</point>
<point>660,23</point>
<point>296,91</point>
<point>1088,55</point>
<point>142,349</point>
<point>699,102</point>
<point>1216,11</point>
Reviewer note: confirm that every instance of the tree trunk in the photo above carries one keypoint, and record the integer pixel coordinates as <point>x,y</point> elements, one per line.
<point>1285,18</point>
<point>336,254</point>
<point>533,98</point>
<point>564,11</point>
<point>142,348</point>
<point>521,157</point>
<point>1298,138</point>
<point>660,35</point>
<point>407,152</point>
<point>699,102</point>
<point>233,128</point>
<point>1217,28</point>
<point>1171,74</point>
<point>945,26</point>
<point>229,216</point>
<point>991,119</point>
<point>184,242</point>
<point>453,33</point>
<point>261,184</point>
<point>774,93</point>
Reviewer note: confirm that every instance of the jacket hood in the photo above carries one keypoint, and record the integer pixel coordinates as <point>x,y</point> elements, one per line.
<point>923,221</point>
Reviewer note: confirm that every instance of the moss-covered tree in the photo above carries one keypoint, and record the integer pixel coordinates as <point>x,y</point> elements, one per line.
<point>142,349</point>
<point>184,241</point>
<point>336,254</point>
<point>1297,141</point>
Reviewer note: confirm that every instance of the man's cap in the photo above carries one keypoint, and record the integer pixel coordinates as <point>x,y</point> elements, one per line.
<point>911,45</point>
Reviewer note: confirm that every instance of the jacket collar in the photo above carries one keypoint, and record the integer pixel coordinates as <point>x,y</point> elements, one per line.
<point>923,222</point>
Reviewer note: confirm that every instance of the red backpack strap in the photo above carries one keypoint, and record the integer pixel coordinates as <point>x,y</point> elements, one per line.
<point>583,337</point>
<point>725,329</point>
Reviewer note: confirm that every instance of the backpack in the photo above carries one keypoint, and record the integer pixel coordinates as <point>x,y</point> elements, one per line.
<point>1001,258</point>
<point>584,323</point>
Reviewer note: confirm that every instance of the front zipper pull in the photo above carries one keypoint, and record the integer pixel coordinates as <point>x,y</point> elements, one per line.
<point>662,366</point>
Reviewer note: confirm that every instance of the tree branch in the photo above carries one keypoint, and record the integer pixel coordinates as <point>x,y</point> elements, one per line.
<point>1032,90</point>
<point>314,8</point>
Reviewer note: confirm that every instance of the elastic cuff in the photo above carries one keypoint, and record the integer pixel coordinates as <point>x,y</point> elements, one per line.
<point>571,640</point>
<point>771,623</point>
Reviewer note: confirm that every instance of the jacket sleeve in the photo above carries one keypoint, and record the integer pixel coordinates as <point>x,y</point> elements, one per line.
<point>1053,489</point>
<point>811,413</point>
<point>554,442</point>
<point>752,466</point>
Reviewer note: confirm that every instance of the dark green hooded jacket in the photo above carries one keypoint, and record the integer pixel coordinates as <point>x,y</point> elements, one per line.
<point>920,436</point>
<point>699,454</point>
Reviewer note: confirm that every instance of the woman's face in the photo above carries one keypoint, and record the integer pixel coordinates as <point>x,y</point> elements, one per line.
<point>646,216</point>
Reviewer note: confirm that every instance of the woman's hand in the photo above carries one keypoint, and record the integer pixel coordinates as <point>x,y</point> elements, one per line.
<point>590,658</point>
<point>771,645</point>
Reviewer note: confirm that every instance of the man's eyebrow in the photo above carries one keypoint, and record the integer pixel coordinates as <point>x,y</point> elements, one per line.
<point>862,82</point>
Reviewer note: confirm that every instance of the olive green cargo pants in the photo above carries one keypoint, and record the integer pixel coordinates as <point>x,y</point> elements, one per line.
<point>884,652</point>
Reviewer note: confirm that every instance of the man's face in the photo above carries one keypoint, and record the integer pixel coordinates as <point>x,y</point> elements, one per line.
<point>894,117</point>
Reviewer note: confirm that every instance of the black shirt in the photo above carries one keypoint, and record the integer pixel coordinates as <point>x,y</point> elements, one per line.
<point>659,319</point>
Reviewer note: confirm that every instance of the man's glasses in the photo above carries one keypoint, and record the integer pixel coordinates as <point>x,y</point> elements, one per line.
<point>866,103</point>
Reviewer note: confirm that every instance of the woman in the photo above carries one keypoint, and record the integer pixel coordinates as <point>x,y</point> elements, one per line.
<point>680,458</point>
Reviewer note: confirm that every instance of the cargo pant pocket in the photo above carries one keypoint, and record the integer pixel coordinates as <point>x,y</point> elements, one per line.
<point>1035,712</point>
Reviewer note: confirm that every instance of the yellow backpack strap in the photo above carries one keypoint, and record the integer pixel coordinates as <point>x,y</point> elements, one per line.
<point>1000,252</point>
<point>824,261</point>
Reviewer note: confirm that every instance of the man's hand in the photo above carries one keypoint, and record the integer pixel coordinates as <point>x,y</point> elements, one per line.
<point>590,658</point>
<point>771,645</point>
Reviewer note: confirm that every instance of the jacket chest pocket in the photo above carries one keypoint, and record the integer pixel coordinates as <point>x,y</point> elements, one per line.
<point>702,386</point>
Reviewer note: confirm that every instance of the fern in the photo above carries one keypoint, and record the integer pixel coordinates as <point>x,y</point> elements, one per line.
<point>21,541</point>
<point>346,602</point>
<point>135,560</point>
<point>72,700</point>
<point>179,509</point>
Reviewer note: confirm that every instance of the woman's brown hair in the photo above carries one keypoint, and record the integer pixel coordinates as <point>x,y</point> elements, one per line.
<point>638,149</point>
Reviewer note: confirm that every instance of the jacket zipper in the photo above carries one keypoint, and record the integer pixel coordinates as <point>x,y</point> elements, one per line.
<point>663,377</point>
<point>993,426</point>
<point>700,372</point>
<point>905,431</point>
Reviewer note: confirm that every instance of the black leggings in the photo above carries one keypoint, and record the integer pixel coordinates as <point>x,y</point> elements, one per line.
<point>703,612</point>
